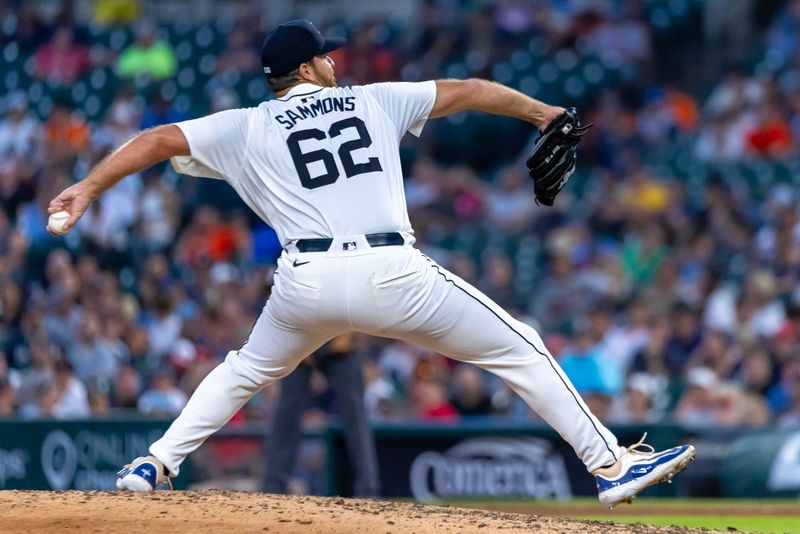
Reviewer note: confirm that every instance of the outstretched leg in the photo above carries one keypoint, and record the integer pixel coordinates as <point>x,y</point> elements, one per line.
<point>274,349</point>
<point>438,310</point>
<point>462,323</point>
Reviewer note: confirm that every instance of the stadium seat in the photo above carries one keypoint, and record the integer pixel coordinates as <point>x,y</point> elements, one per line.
<point>184,51</point>
<point>11,80</point>
<point>186,77</point>
<point>79,92</point>
<point>11,52</point>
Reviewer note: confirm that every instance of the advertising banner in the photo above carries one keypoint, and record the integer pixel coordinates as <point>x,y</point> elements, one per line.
<point>478,461</point>
<point>497,467</point>
<point>764,464</point>
<point>61,455</point>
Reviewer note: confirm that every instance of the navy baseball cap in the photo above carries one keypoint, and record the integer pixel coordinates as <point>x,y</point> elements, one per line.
<point>293,43</point>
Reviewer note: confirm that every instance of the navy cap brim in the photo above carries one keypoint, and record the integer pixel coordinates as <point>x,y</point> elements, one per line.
<point>332,43</point>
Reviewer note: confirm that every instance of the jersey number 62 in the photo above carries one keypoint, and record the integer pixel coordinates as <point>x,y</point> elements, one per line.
<point>303,159</point>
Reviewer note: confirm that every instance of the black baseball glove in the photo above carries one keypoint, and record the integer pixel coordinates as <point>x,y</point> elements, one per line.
<point>552,160</point>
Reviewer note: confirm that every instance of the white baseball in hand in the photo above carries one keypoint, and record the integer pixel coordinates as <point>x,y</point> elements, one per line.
<point>56,222</point>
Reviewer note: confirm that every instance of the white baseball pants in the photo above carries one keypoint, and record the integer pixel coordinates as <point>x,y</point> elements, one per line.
<point>394,292</point>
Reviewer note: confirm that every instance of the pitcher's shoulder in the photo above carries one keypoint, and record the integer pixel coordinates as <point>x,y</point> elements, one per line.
<point>345,90</point>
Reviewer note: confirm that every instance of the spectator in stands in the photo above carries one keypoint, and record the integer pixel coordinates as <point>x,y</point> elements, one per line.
<point>62,60</point>
<point>664,291</point>
<point>122,12</point>
<point>736,92</point>
<point>509,206</point>
<point>127,387</point>
<point>206,238</point>
<point>19,129</point>
<point>397,362</point>
<point>656,123</point>
<point>73,401</point>
<point>92,356</point>
<point>158,213</point>
<point>469,395</point>
<point>60,272</point>
<point>120,123</point>
<point>565,293</point>
<point>621,35</point>
<point>683,107</point>
<point>639,403</point>
<point>699,404</point>
<point>723,138</point>
<point>147,56</point>
<point>716,352</point>
<point>107,221</point>
<point>32,215</point>
<point>41,370</point>
<point>619,344</point>
<point>160,111</point>
<point>7,404</point>
<point>380,394</point>
<point>770,136</point>
<point>164,398</point>
<point>643,254</point>
<point>685,338</point>
<point>429,401</point>
<point>769,313</point>
<point>65,134</point>
<point>62,320</point>
<point>651,359</point>
<point>43,404</point>
<point>584,363</point>
<point>163,327</point>
<point>11,308</point>
<point>498,281</point>
<point>99,404</point>
<point>709,402</point>
<point>757,374</point>
<point>9,383</point>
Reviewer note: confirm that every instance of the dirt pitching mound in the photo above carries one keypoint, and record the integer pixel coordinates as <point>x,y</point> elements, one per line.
<point>230,511</point>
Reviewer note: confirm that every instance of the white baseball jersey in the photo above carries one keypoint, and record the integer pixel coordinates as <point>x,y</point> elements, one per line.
<point>318,162</point>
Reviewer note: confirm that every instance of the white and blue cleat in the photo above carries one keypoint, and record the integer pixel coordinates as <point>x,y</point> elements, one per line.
<point>145,473</point>
<point>636,469</point>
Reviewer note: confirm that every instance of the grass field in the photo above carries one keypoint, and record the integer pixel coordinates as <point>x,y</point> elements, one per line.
<point>748,523</point>
<point>772,516</point>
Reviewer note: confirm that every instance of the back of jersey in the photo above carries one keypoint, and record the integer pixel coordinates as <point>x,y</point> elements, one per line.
<point>318,162</point>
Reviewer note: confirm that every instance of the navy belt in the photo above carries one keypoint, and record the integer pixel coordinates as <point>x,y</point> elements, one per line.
<point>389,239</point>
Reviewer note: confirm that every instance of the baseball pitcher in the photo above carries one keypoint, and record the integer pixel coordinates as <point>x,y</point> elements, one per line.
<point>320,164</point>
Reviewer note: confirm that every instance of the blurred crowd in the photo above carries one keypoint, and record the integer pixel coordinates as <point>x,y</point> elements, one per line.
<point>665,300</point>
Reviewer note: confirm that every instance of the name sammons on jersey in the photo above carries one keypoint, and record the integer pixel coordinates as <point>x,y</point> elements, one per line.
<point>318,107</point>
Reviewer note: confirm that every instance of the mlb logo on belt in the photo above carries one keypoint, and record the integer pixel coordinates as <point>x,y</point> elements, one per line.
<point>349,245</point>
